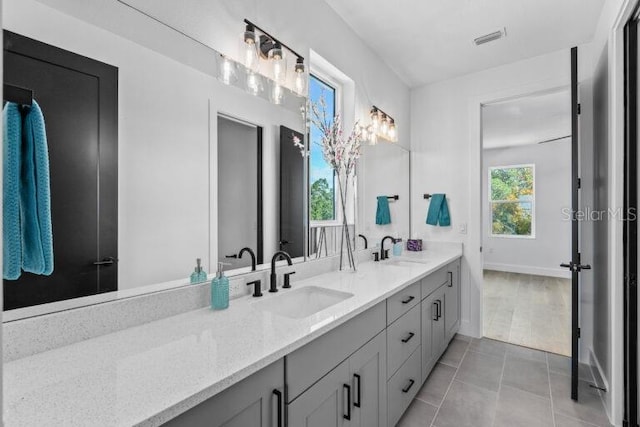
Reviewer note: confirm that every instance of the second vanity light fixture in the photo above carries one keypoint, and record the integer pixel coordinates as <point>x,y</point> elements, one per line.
<point>265,55</point>
<point>382,126</point>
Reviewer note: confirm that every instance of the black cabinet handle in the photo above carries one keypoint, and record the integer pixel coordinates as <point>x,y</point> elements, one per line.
<point>278,394</point>
<point>408,299</point>
<point>450,279</point>
<point>408,338</point>
<point>107,261</point>
<point>436,304</point>
<point>347,416</point>
<point>439,303</point>
<point>359,392</point>
<point>408,387</point>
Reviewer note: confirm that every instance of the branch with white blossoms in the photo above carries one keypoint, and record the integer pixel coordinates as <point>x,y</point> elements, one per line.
<point>339,152</point>
<point>300,146</point>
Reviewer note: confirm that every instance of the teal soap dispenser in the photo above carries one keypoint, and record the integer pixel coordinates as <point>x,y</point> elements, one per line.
<point>220,290</point>
<point>198,275</point>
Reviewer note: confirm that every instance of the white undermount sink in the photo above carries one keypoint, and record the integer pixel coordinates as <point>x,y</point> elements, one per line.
<point>302,302</point>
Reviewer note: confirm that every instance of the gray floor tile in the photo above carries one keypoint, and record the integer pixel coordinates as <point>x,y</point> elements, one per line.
<point>527,353</point>
<point>464,338</point>
<point>481,370</point>
<point>522,409</point>
<point>467,405</point>
<point>588,408</point>
<point>419,414</point>
<point>562,365</point>
<point>562,421</point>
<point>526,375</point>
<point>488,346</point>
<point>454,353</point>
<point>437,384</point>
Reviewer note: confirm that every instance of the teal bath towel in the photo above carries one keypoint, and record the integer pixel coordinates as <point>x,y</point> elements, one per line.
<point>37,236</point>
<point>438,211</point>
<point>11,233</point>
<point>28,236</point>
<point>383,215</point>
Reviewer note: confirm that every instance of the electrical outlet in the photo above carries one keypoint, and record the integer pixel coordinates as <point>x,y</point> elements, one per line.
<point>462,228</point>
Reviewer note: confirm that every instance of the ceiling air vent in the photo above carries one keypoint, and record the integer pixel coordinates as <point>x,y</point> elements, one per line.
<point>490,37</point>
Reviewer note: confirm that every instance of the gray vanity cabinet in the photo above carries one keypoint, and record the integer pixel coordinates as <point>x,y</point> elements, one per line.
<point>353,393</point>
<point>433,330</point>
<point>257,401</point>
<point>452,296</point>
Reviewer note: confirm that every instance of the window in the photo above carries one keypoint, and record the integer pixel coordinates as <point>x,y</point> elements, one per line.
<point>322,194</point>
<point>512,201</point>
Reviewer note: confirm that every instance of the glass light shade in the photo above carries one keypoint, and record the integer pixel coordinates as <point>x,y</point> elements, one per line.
<point>301,83</point>
<point>227,72</point>
<point>277,94</point>
<point>254,83</point>
<point>373,138</point>
<point>279,64</point>
<point>393,136</point>
<point>375,120</point>
<point>249,51</point>
<point>384,126</point>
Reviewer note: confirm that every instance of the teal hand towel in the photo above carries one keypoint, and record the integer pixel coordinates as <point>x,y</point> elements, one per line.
<point>383,215</point>
<point>35,195</point>
<point>439,211</point>
<point>11,233</point>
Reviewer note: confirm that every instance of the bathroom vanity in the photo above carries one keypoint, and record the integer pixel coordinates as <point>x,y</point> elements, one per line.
<point>359,361</point>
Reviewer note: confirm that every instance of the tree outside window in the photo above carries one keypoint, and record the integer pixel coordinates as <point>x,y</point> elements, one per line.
<point>511,193</point>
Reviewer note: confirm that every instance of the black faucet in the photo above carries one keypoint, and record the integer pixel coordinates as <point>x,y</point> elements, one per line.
<point>274,277</point>
<point>383,254</point>
<point>253,257</point>
<point>366,242</point>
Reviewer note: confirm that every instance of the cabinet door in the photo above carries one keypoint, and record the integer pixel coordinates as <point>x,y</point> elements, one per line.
<point>328,403</point>
<point>452,296</point>
<point>437,325</point>
<point>256,401</point>
<point>428,314</point>
<point>368,375</point>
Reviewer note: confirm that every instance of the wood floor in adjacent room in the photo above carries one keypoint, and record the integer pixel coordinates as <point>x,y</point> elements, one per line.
<point>527,310</point>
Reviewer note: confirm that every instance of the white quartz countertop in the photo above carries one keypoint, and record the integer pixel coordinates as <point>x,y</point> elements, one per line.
<point>148,374</point>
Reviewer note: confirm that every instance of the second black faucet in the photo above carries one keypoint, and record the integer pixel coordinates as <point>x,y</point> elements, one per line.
<point>274,278</point>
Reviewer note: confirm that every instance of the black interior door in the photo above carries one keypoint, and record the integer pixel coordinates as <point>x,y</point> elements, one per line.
<point>79,100</point>
<point>630,225</point>
<point>575,265</point>
<point>292,187</point>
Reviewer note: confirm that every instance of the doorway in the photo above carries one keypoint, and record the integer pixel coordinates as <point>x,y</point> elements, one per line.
<point>526,220</point>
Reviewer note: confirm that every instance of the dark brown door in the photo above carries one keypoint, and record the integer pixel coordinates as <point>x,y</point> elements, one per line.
<point>79,100</point>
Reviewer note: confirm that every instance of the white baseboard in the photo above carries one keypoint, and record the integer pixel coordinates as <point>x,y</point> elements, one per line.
<point>527,269</point>
<point>602,381</point>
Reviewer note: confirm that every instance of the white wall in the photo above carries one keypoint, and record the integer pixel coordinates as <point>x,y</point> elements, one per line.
<point>551,245</point>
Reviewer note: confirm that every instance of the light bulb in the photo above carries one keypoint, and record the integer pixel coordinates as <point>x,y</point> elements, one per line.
<point>375,120</point>
<point>279,63</point>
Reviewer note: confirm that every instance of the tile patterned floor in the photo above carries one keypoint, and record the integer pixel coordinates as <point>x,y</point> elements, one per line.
<point>527,310</point>
<point>487,383</point>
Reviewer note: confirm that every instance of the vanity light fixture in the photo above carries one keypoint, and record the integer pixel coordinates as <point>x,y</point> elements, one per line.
<point>261,48</point>
<point>382,126</point>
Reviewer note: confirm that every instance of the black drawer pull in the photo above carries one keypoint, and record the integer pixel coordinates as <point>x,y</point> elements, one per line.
<point>450,279</point>
<point>408,300</point>
<point>408,338</point>
<point>408,387</point>
<point>436,304</point>
<point>439,309</point>
<point>278,394</point>
<point>359,392</point>
<point>347,416</point>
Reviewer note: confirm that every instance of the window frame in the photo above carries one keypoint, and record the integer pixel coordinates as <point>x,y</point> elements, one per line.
<point>336,85</point>
<point>531,236</point>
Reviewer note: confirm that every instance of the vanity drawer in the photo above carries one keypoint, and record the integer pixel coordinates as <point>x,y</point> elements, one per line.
<point>403,337</point>
<point>402,387</point>
<point>311,362</point>
<point>434,281</point>
<point>402,302</point>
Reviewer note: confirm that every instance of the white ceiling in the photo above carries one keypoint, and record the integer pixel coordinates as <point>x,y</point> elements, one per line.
<point>425,41</point>
<point>526,120</point>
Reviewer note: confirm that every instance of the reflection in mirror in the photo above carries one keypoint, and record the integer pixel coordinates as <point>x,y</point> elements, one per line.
<point>134,183</point>
<point>240,193</point>
<point>292,192</point>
